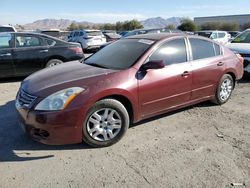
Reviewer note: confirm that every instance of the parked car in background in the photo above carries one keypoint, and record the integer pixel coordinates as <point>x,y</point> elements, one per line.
<point>89,39</point>
<point>7,28</point>
<point>221,37</point>
<point>147,31</point>
<point>122,33</point>
<point>233,34</point>
<point>24,53</point>
<point>142,31</point>
<point>132,79</point>
<point>241,45</point>
<point>111,37</point>
<point>56,33</point>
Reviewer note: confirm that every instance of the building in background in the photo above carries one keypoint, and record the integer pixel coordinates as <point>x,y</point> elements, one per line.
<point>239,19</point>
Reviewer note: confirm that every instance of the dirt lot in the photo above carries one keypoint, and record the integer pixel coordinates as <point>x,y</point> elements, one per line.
<point>200,146</point>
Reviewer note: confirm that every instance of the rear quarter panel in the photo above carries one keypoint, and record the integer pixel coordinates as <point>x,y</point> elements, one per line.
<point>233,64</point>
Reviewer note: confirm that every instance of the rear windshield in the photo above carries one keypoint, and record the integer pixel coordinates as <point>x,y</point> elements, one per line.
<point>6,29</point>
<point>51,33</point>
<point>121,54</point>
<point>204,34</point>
<point>94,33</point>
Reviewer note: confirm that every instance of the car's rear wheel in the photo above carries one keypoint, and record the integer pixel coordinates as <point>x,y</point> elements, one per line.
<point>53,62</point>
<point>106,123</point>
<point>224,89</point>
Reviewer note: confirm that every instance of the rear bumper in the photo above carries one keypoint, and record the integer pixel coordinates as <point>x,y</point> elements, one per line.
<point>53,128</point>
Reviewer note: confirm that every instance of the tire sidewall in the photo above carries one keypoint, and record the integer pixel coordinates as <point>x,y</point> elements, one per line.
<point>218,99</point>
<point>52,61</point>
<point>112,104</point>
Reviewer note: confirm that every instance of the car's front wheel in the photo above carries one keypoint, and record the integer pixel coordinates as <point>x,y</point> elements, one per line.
<point>224,89</point>
<point>106,123</point>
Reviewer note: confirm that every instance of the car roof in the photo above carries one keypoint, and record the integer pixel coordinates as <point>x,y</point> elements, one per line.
<point>156,36</point>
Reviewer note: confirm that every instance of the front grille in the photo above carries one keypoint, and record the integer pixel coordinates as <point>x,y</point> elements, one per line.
<point>24,99</point>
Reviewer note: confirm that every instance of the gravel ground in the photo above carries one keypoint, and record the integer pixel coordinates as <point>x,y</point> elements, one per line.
<point>200,146</point>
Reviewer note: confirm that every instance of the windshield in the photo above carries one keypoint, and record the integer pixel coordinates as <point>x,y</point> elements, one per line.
<point>6,29</point>
<point>94,33</point>
<point>242,38</point>
<point>120,55</point>
<point>51,33</point>
<point>204,34</point>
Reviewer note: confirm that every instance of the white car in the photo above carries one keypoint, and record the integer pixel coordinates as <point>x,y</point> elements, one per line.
<point>89,39</point>
<point>7,28</point>
<point>241,45</point>
<point>221,37</point>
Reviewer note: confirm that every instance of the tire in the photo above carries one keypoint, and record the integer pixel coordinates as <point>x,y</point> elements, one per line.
<point>53,62</point>
<point>224,89</point>
<point>106,116</point>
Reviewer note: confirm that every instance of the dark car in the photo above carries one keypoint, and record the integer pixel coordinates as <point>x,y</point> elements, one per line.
<point>111,36</point>
<point>24,53</point>
<point>129,80</point>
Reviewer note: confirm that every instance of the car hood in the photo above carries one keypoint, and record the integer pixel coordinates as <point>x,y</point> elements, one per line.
<point>243,48</point>
<point>62,76</point>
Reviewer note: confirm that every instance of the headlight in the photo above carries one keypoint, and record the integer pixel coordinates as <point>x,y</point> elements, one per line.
<point>59,100</point>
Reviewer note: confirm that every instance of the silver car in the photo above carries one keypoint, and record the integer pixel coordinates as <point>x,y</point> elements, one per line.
<point>241,45</point>
<point>89,39</point>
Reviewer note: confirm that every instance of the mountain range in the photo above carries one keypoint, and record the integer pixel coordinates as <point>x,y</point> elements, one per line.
<point>157,22</point>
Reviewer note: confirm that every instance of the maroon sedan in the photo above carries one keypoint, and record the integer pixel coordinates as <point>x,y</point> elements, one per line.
<point>130,80</point>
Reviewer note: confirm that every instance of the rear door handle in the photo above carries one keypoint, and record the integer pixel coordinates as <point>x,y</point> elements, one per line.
<point>7,54</point>
<point>220,64</point>
<point>185,74</point>
<point>43,51</point>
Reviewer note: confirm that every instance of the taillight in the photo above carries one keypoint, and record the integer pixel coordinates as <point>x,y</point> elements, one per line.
<point>77,50</point>
<point>240,58</point>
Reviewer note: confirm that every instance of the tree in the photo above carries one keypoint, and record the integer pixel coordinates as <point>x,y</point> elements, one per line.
<point>131,25</point>
<point>170,26</point>
<point>83,26</point>
<point>119,26</point>
<point>72,26</point>
<point>220,26</point>
<point>246,26</point>
<point>229,26</point>
<point>187,25</point>
<point>108,26</point>
<point>210,26</point>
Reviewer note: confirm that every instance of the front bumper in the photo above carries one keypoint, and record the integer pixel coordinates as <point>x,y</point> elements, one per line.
<point>53,128</point>
<point>247,64</point>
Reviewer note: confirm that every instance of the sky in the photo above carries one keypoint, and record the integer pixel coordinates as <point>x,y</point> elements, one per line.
<point>109,11</point>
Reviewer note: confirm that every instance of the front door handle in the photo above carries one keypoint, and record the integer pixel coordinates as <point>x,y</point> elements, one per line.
<point>7,54</point>
<point>220,64</point>
<point>185,74</point>
<point>43,51</point>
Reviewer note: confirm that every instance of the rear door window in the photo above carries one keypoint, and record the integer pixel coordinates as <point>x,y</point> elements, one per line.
<point>201,49</point>
<point>171,52</point>
<point>76,34</point>
<point>5,40</point>
<point>221,35</point>
<point>28,41</point>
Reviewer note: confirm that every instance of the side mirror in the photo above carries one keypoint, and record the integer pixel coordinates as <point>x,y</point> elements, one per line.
<point>153,65</point>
